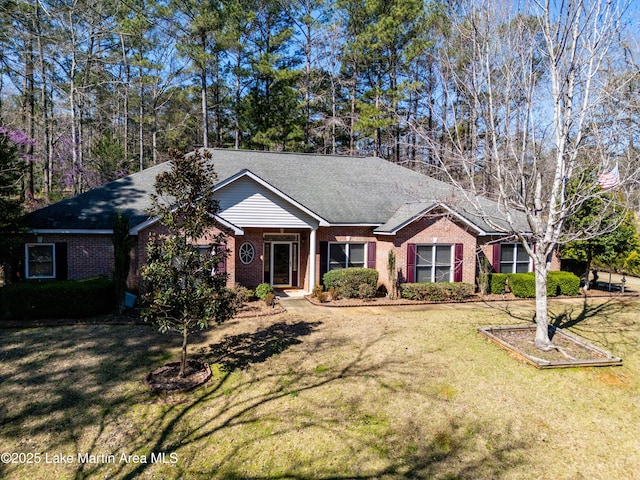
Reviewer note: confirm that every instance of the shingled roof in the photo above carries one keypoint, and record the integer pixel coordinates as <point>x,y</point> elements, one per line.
<point>338,189</point>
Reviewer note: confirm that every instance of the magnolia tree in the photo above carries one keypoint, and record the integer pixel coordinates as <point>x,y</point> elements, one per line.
<point>185,289</point>
<point>533,116</point>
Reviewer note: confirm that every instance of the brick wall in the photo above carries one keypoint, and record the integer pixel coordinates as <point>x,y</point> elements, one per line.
<point>435,230</point>
<point>432,230</point>
<point>87,255</point>
<point>92,255</point>
<point>140,256</point>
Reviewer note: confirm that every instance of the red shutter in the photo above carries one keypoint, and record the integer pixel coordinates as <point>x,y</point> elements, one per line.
<point>222,265</point>
<point>410,274</point>
<point>371,255</point>
<point>496,257</point>
<point>457,272</point>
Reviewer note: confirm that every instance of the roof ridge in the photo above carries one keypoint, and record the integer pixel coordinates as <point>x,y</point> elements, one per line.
<point>289,153</point>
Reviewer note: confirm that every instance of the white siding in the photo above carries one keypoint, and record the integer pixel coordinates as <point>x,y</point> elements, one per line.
<point>246,203</point>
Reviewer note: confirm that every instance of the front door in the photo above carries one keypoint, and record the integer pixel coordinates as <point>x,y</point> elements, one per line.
<point>281,264</point>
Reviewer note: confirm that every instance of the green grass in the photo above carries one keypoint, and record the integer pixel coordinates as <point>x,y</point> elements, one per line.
<point>369,393</point>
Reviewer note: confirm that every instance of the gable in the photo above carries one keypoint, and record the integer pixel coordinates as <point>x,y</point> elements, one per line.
<point>247,203</point>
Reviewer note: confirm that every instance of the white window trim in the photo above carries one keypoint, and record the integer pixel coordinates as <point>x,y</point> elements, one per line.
<point>452,261</point>
<point>366,253</point>
<point>28,275</point>
<point>516,246</point>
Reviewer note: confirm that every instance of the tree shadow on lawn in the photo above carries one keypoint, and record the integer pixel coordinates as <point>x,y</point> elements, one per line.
<point>58,381</point>
<point>608,323</point>
<point>243,350</point>
<point>222,407</point>
<point>84,403</point>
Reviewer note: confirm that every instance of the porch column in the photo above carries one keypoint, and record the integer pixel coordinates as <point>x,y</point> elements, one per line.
<point>312,259</point>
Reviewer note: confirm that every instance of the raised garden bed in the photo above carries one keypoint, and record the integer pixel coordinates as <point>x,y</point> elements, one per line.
<point>571,352</point>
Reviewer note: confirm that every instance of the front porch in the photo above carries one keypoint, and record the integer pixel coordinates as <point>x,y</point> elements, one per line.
<point>280,257</point>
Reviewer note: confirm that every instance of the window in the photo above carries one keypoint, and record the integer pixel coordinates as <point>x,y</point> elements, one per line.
<point>344,255</point>
<point>221,267</point>
<point>40,260</point>
<point>246,253</point>
<point>433,263</point>
<point>514,258</point>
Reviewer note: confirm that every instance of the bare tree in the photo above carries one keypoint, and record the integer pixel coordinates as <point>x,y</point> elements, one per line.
<point>543,81</point>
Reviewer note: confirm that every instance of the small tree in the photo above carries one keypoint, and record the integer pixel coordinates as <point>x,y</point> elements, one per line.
<point>185,288</point>
<point>393,275</point>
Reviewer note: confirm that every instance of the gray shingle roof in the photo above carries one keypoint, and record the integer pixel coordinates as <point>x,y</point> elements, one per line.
<point>341,190</point>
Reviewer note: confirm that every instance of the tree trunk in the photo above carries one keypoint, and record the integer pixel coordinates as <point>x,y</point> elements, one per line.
<point>203,97</point>
<point>183,358</point>
<point>542,322</point>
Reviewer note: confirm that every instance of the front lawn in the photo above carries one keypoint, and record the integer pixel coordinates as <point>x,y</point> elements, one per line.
<point>346,393</point>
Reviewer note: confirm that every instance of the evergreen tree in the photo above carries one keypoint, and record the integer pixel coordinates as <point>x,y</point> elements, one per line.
<point>12,168</point>
<point>185,289</point>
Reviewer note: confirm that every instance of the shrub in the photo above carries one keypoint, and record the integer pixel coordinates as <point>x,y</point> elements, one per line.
<point>263,290</point>
<point>366,290</point>
<point>437,292</point>
<point>567,282</point>
<point>522,285</point>
<point>317,291</point>
<point>57,299</point>
<point>348,282</point>
<point>335,294</point>
<point>241,295</point>
<point>269,299</point>
<point>323,297</point>
<point>497,282</point>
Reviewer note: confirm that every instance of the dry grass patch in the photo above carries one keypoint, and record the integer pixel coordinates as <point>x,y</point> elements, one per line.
<point>333,394</point>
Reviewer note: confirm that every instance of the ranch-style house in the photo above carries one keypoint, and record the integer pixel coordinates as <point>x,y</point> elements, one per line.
<point>289,218</point>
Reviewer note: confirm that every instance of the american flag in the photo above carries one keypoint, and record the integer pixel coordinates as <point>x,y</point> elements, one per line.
<point>609,179</point>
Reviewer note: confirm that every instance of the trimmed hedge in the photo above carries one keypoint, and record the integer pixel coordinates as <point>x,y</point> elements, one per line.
<point>523,285</point>
<point>57,299</point>
<point>568,283</point>
<point>437,292</point>
<point>497,282</point>
<point>352,282</point>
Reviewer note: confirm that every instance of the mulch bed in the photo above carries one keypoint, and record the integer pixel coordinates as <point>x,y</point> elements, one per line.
<point>509,297</point>
<point>166,379</point>
<point>570,351</point>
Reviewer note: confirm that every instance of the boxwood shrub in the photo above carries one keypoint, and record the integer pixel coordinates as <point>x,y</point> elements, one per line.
<point>523,285</point>
<point>263,290</point>
<point>497,281</point>
<point>567,283</point>
<point>57,299</point>
<point>558,283</point>
<point>437,292</point>
<point>352,282</point>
